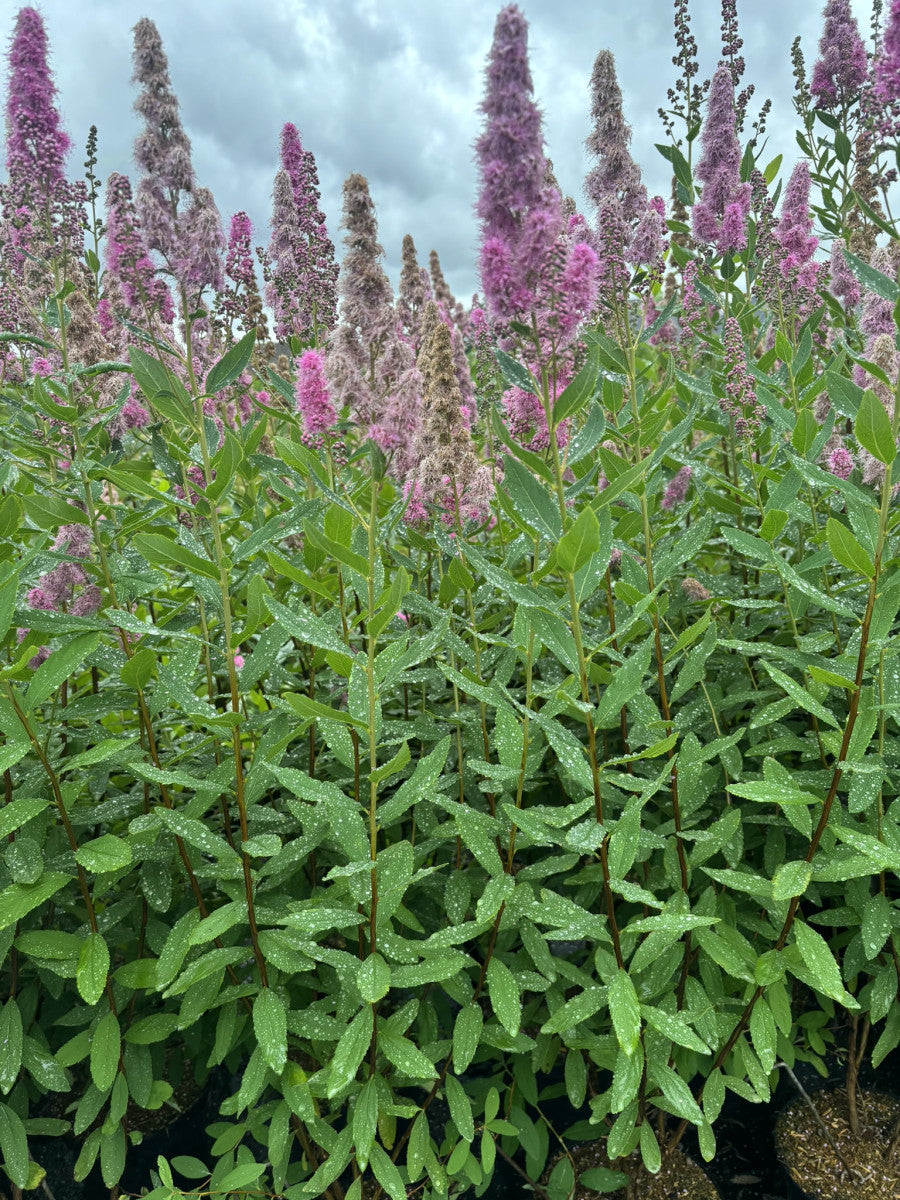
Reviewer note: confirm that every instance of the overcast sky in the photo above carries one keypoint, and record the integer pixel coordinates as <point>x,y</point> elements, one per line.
<point>391,89</point>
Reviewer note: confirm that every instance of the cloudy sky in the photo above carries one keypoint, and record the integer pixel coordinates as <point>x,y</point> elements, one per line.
<point>391,89</point>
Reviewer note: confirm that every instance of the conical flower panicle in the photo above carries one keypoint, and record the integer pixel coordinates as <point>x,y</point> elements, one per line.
<point>886,90</point>
<point>842,66</point>
<point>187,234</point>
<point>719,216</point>
<point>314,270</point>
<point>239,298</point>
<point>449,475</point>
<point>162,149</point>
<point>526,237</point>
<point>616,176</point>
<point>510,151</point>
<point>313,401</point>
<point>144,296</point>
<point>443,296</point>
<point>370,367</point>
<point>411,296</point>
<point>797,244</point>
<point>36,144</point>
<point>42,212</point>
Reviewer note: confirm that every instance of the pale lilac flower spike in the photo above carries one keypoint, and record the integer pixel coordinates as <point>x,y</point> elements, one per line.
<point>719,216</point>
<point>677,489</point>
<point>887,74</point>
<point>841,70</point>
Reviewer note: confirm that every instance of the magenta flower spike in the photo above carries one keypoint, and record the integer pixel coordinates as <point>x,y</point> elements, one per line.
<point>720,214</point>
<point>36,144</point>
<point>308,271</point>
<point>844,284</point>
<point>313,402</point>
<point>794,231</point>
<point>887,73</point>
<point>143,292</point>
<point>842,66</point>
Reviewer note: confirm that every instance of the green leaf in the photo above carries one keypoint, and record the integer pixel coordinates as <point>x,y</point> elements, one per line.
<point>531,500</point>
<point>305,706</point>
<point>389,603</point>
<point>405,1055</point>
<point>872,280</point>
<point>59,666</point>
<point>350,1051</point>
<point>515,374</point>
<point>800,695</point>
<point>386,1173</point>
<point>466,1035</point>
<point>580,543</point>
<point>105,853</point>
<point>240,1178</point>
<point>624,686</point>
<point>17,900</point>
<point>625,1010</point>
<point>270,1027</point>
<point>791,879</point>
<point>11,1040</point>
<point>650,1151</point>
<point>14,1146</point>
<point>877,922</point>
<point>504,994</point>
<point>460,1108</point>
<point>365,1120</point>
<point>373,978</point>
<point>873,429</point>
<point>18,812</point>
<point>576,1010</point>
<point>93,968</point>
<point>816,954</point>
<point>674,1027</point>
<point>162,551</point>
<point>602,1179</point>
<point>230,365</point>
<point>48,512</point>
<point>105,1049</point>
<point>847,550</point>
<point>305,627</point>
<point>576,394</point>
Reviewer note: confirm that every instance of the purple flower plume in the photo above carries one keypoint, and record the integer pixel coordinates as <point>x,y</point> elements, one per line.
<point>144,294</point>
<point>36,144</point>
<point>616,175</point>
<point>308,273</point>
<point>526,239</point>
<point>720,213</point>
<point>313,402</point>
<point>887,74</point>
<point>841,69</point>
<point>794,232</point>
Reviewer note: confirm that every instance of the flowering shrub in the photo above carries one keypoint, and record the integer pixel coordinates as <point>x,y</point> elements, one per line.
<point>442,704</point>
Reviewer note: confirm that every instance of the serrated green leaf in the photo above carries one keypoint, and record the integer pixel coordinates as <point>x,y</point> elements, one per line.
<point>504,995</point>
<point>270,1027</point>
<point>350,1051</point>
<point>580,543</point>
<point>230,365</point>
<point>14,1146</point>
<point>460,1108</point>
<point>105,853</point>
<point>791,879</point>
<point>873,429</point>
<point>466,1035</point>
<point>59,666</point>
<point>373,978</point>
<point>847,550</point>
<point>625,1010</point>
<point>106,1047</point>
<point>93,968</point>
